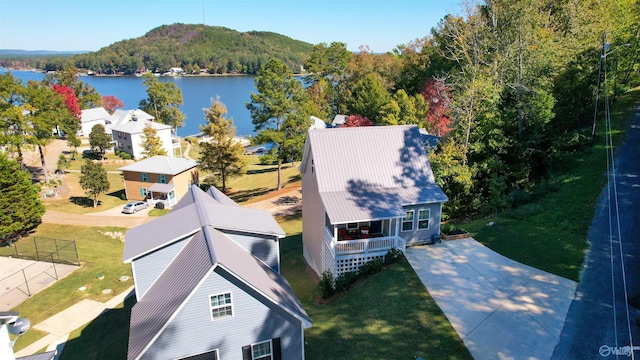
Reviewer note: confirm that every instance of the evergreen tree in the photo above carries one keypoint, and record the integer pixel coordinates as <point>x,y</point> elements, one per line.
<point>280,112</point>
<point>21,208</point>
<point>13,123</point>
<point>93,180</point>
<point>222,154</point>
<point>99,140</point>
<point>151,143</point>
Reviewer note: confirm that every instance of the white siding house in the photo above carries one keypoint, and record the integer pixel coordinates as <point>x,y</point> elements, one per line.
<point>129,136</point>
<point>208,286</point>
<point>91,117</point>
<point>366,190</point>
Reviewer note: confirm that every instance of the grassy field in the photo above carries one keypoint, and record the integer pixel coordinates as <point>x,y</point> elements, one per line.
<point>550,232</point>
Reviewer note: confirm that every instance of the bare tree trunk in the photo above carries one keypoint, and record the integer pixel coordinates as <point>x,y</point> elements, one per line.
<point>279,174</point>
<point>44,164</point>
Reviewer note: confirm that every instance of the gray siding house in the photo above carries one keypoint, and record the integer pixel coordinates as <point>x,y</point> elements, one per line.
<point>207,285</point>
<point>366,190</point>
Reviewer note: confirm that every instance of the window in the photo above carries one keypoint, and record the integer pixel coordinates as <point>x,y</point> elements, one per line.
<point>144,177</point>
<point>407,221</point>
<point>119,135</point>
<point>221,306</point>
<point>261,351</point>
<point>211,355</point>
<point>144,191</point>
<point>423,219</point>
<point>352,226</point>
<point>162,179</point>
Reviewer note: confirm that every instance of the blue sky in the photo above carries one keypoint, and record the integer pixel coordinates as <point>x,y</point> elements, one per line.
<point>75,25</point>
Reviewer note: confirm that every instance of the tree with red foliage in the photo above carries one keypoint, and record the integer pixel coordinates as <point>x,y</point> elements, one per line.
<point>70,99</point>
<point>436,93</point>
<point>111,103</point>
<point>356,121</point>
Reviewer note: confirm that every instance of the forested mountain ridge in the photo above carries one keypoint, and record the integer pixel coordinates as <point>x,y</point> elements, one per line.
<point>192,47</point>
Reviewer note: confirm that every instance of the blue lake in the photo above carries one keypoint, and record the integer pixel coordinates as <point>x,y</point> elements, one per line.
<point>197,92</point>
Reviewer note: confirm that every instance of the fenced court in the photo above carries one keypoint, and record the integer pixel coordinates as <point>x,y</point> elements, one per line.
<point>35,264</point>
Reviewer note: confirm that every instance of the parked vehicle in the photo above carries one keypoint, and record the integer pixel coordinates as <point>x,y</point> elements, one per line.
<point>134,206</point>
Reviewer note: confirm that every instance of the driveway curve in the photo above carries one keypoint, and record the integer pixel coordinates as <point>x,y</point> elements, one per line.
<point>501,309</point>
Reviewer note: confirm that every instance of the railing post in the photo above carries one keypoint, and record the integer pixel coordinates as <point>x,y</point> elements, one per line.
<point>26,283</point>
<point>77,257</point>
<point>55,242</point>
<point>54,267</point>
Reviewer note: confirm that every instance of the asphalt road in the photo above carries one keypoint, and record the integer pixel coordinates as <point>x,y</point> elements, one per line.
<point>600,321</point>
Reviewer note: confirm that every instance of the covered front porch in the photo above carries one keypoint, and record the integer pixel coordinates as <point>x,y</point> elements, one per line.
<point>164,194</point>
<point>350,245</point>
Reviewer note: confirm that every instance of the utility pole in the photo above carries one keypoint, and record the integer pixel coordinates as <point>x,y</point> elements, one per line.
<point>595,111</point>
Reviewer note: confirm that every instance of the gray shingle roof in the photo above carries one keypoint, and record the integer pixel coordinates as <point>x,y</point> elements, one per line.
<point>161,165</point>
<point>207,250</point>
<point>367,173</point>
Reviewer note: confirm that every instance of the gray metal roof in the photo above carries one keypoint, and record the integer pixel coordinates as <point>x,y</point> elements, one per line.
<point>206,250</point>
<point>220,196</point>
<point>93,114</point>
<point>184,220</point>
<point>161,165</point>
<point>137,127</point>
<point>367,172</point>
<point>162,188</point>
<point>49,355</point>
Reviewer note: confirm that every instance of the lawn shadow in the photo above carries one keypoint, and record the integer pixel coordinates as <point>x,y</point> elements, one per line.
<point>106,337</point>
<point>82,201</point>
<point>120,194</point>
<point>245,195</point>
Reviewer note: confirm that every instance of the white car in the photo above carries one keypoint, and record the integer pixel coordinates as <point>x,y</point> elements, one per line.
<point>134,206</point>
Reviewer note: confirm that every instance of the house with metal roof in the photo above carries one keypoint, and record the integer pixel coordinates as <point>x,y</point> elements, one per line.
<point>128,137</point>
<point>366,190</point>
<point>207,285</point>
<point>159,179</point>
<point>91,117</point>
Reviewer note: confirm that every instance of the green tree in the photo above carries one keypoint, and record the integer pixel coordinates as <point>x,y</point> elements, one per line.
<point>21,208</point>
<point>151,143</point>
<point>222,153</point>
<point>93,180</point>
<point>48,117</point>
<point>99,140</point>
<point>280,111</point>
<point>163,101</point>
<point>370,98</point>
<point>12,120</point>
<point>67,75</point>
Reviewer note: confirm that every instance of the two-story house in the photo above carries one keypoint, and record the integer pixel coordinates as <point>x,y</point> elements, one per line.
<point>207,285</point>
<point>128,137</point>
<point>366,190</point>
<point>159,179</point>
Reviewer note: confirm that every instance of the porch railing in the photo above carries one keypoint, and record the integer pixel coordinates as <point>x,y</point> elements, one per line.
<point>370,245</point>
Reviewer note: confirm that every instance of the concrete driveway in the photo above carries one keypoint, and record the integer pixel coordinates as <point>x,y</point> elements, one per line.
<point>500,308</point>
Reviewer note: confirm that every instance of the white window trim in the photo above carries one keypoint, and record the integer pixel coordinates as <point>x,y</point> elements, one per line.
<point>428,219</point>
<point>262,342</point>
<point>403,221</point>
<point>233,311</point>
<point>216,351</point>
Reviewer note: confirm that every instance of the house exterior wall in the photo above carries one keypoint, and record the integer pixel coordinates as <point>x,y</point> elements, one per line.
<point>131,143</point>
<point>149,267</point>
<point>86,127</point>
<point>193,332</point>
<point>313,216</point>
<point>182,182</point>
<point>264,248</point>
<point>418,236</point>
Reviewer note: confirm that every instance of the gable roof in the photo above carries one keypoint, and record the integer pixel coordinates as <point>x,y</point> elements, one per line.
<point>207,250</point>
<point>367,173</point>
<point>185,220</point>
<point>137,127</point>
<point>94,114</point>
<point>161,165</point>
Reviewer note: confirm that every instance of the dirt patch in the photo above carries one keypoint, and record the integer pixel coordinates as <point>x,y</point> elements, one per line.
<point>285,202</point>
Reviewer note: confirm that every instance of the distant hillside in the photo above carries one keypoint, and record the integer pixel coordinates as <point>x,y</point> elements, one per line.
<point>4,53</point>
<point>194,47</point>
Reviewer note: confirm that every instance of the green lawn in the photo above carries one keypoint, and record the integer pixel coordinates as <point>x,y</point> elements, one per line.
<point>390,315</point>
<point>550,233</point>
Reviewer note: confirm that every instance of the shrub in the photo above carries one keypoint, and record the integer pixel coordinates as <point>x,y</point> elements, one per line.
<point>326,285</point>
<point>393,256</point>
<point>371,267</point>
<point>345,280</point>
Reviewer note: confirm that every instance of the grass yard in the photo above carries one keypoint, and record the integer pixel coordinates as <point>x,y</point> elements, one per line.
<point>555,225</point>
<point>390,315</point>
